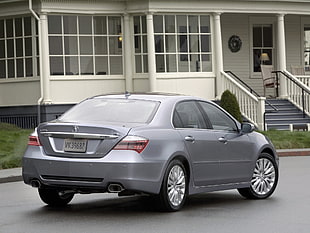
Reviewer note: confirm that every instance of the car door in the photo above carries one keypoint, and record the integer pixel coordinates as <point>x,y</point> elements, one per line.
<point>200,142</point>
<point>234,149</point>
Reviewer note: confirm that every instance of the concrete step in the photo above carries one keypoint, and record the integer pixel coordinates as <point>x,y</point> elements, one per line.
<point>292,116</point>
<point>287,111</point>
<point>287,114</point>
<point>281,107</point>
<point>288,121</point>
<point>303,127</point>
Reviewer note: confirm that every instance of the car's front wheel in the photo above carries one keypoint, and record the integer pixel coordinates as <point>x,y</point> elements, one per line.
<point>174,187</point>
<point>53,197</point>
<point>264,180</point>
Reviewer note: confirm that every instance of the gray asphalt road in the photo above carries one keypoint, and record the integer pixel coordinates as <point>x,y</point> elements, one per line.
<point>286,212</point>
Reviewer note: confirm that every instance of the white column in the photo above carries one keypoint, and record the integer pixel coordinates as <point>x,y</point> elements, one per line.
<point>128,57</point>
<point>45,72</point>
<point>260,113</point>
<point>281,54</point>
<point>218,54</point>
<point>151,52</point>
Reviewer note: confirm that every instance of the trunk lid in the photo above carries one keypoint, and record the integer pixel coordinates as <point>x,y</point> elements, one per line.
<point>79,140</point>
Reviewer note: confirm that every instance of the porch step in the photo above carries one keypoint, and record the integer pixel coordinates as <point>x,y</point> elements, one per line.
<point>289,121</point>
<point>287,114</point>
<point>302,127</point>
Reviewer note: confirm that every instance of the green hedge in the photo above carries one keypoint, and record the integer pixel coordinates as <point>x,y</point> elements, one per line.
<point>230,104</point>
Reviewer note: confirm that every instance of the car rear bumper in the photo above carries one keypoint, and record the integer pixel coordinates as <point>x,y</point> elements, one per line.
<point>125,168</point>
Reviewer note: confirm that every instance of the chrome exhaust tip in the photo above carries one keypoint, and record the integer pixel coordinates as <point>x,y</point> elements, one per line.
<point>35,183</point>
<point>115,188</point>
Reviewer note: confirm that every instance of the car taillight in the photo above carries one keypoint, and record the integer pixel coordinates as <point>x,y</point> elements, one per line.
<point>34,141</point>
<point>132,143</point>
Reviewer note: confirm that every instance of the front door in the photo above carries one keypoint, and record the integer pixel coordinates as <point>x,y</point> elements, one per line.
<point>235,150</point>
<point>199,142</point>
<point>219,153</point>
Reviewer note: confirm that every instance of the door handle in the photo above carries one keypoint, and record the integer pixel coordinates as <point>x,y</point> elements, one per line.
<point>190,139</point>
<point>223,140</point>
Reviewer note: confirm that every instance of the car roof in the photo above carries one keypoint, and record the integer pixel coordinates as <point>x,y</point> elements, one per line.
<point>154,96</point>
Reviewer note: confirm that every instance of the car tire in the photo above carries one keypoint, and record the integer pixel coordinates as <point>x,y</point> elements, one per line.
<point>264,180</point>
<point>174,187</point>
<point>53,197</point>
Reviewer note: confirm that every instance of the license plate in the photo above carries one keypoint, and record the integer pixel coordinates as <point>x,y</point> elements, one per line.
<point>75,145</point>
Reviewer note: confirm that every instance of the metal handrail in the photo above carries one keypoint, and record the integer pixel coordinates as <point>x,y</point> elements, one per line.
<point>250,89</point>
<point>304,89</point>
<point>243,83</point>
<point>256,94</point>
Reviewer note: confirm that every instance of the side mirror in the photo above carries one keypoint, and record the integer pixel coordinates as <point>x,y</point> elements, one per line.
<point>247,128</point>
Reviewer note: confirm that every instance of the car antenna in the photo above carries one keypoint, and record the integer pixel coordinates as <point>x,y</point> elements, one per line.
<point>127,94</point>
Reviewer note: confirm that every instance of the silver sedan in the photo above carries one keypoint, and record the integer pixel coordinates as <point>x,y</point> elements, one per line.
<point>168,146</point>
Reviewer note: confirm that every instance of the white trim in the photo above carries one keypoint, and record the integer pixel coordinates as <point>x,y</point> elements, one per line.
<point>185,75</point>
<point>127,51</point>
<point>85,78</point>
<point>151,51</point>
<point>19,80</point>
<point>218,51</point>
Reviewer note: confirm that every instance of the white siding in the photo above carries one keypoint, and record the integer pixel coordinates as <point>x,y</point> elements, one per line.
<point>240,62</point>
<point>19,93</point>
<point>201,87</point>
<point>72,91</point>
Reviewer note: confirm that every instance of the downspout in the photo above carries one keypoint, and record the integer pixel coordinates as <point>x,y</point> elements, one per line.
<point>40,100</point>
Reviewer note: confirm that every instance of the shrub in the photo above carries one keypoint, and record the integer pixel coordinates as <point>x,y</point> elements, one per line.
<point>13,142</point>
<point>230,104</point>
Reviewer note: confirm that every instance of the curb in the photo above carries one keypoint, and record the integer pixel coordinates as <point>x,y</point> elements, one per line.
<point>11,175</point>
<point>294,152</point>
<point>15,174</point>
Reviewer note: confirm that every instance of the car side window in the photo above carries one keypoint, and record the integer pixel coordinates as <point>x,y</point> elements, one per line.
<point>188,115</point>
<point>219,119</point>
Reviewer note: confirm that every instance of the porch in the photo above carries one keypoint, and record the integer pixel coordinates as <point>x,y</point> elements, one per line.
<point>290,113</point>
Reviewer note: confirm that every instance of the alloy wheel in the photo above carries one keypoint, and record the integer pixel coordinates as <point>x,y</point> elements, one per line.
<point>176,185</point>
<point>264,176</point>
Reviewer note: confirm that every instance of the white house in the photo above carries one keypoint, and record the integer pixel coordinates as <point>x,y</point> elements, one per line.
<point>54,53</point>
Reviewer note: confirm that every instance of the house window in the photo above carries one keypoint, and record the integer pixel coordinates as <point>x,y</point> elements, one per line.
<point>140,41</point>
<point>85,45</point>
<point>19,53</point>
<point>182,43</point>
<point>307,47</point>
<point>262,45</point>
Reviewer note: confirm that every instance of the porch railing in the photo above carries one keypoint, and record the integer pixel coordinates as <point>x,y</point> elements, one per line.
<point>305,79</point>
<point>252,107</point>
<point>297,91</point>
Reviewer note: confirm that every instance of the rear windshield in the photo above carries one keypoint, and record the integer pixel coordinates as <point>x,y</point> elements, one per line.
<point>112,110</point>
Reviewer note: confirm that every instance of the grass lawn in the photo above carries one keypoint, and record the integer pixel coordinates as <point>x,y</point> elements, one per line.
<point>289,140</point>
<point>13,142</point>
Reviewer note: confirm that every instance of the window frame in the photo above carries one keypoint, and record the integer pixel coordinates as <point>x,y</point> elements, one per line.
<point>233,121</point>
<point>25,49</point>
<point>261,21</point>
<point>179,55</point>
<point>140,43</point>
<point>204,125</point>
<point>110,35</point>
<point>207,123</point>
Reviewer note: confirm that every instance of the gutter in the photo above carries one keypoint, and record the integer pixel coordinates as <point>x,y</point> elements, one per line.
<point>40,100</point>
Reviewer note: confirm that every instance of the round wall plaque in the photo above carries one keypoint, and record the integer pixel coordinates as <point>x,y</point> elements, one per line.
<point>234,43</point>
